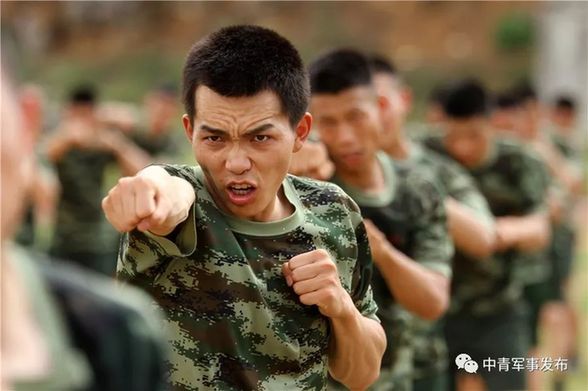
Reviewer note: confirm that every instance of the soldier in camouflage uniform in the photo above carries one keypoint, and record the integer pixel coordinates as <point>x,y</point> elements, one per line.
<point>156,131</point>
<point>488,316</point>
<point>470,221</point>
<point>81,150</point>
<point>264,277</point>
<point>562,132</point>
<point>103,339</point>
<point>409,235</point>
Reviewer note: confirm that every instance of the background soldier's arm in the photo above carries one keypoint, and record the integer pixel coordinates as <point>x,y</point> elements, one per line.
<point>129,156</point>
<point>470,234</point>
<point>420,290</point>
<point>524,233</point>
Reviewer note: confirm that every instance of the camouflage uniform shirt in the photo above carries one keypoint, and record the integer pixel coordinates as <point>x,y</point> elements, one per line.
<point>81,226</point>
<point>515,183</point>
<point>411,214</point>
<point>233,323</point>
<point>430,350</point>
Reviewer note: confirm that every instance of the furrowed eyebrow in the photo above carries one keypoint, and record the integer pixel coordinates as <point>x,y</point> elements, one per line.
<point>212,130</point>
<point>258,130</point>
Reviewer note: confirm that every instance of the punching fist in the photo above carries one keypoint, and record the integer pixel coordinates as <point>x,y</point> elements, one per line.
<point>314,278</point>
<point>151,201</point>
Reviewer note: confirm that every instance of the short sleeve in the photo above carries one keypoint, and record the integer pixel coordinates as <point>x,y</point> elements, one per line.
<point>461,187</point>
<point>432,246</point>
<point>143,256</point>
<point>361,290</point>
<point>534,182</point>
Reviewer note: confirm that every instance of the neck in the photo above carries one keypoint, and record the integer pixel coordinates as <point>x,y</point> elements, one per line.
<point>280,209</point>
<point>370,180</point>
<point>399,150</point>
<point>397,145</point>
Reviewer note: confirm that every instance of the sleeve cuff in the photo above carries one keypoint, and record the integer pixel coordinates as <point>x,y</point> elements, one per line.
<point>185,241</point>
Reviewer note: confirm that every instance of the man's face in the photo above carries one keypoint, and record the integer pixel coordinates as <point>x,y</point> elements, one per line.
<point>394,116</point>
<point>506,120</point>
<point>468,140</point>
<point>244,146</point>
<point>349,123</point>
<point>530,120</point>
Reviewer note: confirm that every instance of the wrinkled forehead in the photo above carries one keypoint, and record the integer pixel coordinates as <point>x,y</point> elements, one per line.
<point>211,106</point>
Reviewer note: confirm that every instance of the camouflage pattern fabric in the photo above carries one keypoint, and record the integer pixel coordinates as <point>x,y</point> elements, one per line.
<point>515,183</point>
<point>233,322</point>
<point>412,216</point>
<point>563,240</point>
<point>81,226</point>
<point>429,346</point>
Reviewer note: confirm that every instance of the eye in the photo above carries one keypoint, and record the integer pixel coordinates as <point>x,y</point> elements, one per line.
<point>260,138</point>
<point>213,139</point>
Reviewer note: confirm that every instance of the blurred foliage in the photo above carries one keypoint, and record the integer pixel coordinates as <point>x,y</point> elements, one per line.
<point>515,31</point>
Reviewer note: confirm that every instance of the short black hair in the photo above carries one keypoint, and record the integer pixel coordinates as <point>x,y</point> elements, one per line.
<point>565,102</point>
<point>465,99</point>
<point>83,95</point>
<point>339,70</point>
<point>239,61</point>
<point>524,92</point>
<point>505,100</point>
<point>381,64</point>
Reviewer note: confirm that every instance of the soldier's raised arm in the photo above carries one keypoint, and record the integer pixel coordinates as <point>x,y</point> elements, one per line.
<point>152,200</point>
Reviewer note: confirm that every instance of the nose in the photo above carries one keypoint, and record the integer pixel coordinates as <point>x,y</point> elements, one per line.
<point>346,135</point>
<point>238,161</point>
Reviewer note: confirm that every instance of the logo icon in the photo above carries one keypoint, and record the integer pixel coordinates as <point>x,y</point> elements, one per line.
<point>465,362</point>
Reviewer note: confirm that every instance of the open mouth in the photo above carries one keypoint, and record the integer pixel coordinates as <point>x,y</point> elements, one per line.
<point>241,194</point>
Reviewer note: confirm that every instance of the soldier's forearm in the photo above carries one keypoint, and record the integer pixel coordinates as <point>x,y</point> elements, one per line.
<point>528,233</point>
<point>469,234</point>
<point>356,350</point>
<point>421,291</point>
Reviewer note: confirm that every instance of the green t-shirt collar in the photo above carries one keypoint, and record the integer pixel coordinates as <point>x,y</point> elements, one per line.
<point>370,199</point>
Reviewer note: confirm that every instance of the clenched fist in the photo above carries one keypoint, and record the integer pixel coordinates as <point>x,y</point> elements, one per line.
<point>314,278</point>
<point>312,161</point>
<point>151,201</point>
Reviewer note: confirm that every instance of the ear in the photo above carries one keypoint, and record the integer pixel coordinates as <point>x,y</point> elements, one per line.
<point>188,129</point>
<point>407,99</point>
<point>383,103</point>
<point>302,131</point>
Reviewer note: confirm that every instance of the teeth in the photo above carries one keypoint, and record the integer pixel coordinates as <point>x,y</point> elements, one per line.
<point>244,186</point>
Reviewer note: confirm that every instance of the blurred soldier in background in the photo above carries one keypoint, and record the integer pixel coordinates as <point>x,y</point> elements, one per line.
<point>63,329</point>
<point>506,114</point>
<point>469,219</point>
<point>43,192</point>
<point>408,233</point>
<point>488,317</point>
<point>547,296</point>
<point>156,132</point>
<point>81,149</point>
